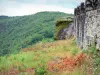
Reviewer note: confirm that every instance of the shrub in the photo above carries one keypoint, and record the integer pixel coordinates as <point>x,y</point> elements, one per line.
<point>74,42</point>
<point>74,51</point>
<point>41,69</point>
<point>92,49</point>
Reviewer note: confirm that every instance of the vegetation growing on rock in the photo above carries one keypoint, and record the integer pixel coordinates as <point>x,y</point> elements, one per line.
<point>60,25</point>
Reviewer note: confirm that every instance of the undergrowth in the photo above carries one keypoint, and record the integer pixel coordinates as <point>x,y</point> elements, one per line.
<point>54,58</point>
<point>93,60</point>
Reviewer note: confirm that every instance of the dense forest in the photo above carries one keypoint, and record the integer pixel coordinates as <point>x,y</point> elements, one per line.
<point>21,31</point>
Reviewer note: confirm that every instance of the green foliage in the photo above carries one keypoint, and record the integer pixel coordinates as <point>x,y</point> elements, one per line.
<point>74,51</point>
<point>92,49</point>
<point>22,73</point>
<point>74,42</point>
<point>44,40</point>
<point>21,31</point>
<point>3,65</point>
<point>41,69</point>
<point>95,59</point>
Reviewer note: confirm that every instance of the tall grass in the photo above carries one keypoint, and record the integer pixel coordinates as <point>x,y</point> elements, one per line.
<point>34,59</point>
<point>36,56</point>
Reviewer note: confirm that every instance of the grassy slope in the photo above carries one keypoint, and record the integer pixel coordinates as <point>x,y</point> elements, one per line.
<point>40,53</point>
<point>37,56</point>
<point>22,31</point>
<point>40,58</point>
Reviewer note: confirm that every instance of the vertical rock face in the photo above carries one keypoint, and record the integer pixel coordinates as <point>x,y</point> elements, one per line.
<point>67,32</point>
<point>87,24</point>
<point>64,29</point>
<point>79,20</point>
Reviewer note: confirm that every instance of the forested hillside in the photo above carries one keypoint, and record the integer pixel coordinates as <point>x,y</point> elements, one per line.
<point>21,31</point>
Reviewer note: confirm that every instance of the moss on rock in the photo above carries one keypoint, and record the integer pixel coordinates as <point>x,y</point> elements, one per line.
<point>60,25</point>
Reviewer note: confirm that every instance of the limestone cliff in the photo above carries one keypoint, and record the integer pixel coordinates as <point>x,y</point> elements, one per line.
<point>64,29</point>
<point>87,24</point>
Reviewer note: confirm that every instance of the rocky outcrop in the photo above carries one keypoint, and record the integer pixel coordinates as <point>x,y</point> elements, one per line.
<point>67,32</point>
<point>87,24</point>
<point>64,29</point>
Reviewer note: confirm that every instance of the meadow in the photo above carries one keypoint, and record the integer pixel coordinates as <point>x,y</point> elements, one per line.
<point>61,57</point>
